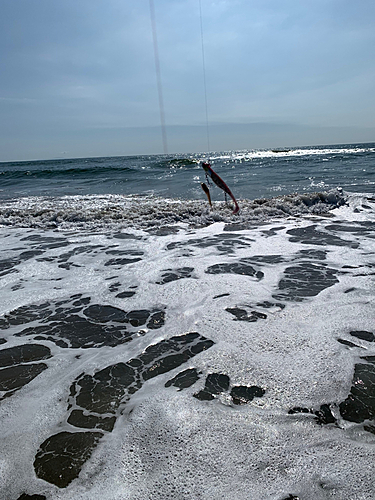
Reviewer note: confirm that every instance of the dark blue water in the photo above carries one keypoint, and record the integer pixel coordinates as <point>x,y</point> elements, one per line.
<point>249,174</point>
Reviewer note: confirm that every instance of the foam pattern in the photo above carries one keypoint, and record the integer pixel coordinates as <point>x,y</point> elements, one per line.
<point>96,399</point>
<point>185,359</point>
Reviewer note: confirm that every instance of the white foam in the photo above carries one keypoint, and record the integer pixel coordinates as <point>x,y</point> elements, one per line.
<point>246,155</point>
<point>172,445</point>
<point>98,212</point>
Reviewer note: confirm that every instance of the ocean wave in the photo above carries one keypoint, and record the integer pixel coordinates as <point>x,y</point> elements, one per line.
<point>110,211</point>
<point>93,171</point>
<point>327,151</point>
<point>61,172</point>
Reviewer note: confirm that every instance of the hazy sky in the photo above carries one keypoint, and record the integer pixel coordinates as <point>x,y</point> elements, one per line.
<point>78,76</point>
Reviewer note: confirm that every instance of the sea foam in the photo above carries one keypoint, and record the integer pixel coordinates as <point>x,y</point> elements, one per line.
<point>268,307</point>
<point>110,211</point>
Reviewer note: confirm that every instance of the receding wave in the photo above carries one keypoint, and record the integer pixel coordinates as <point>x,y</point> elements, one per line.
<point>105,211</point>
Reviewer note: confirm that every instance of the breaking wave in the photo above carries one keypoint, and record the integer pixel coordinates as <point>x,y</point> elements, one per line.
<point>105,211</point>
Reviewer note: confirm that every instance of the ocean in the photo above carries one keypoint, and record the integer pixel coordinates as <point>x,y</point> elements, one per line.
<point>155,347</point>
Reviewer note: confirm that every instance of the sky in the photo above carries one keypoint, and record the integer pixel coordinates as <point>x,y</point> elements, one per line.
<point>78,77</point>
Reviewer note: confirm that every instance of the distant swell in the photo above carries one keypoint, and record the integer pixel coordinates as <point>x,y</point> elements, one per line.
<point>92,168</point>
<point>95,212</point>
<point>63,172</point>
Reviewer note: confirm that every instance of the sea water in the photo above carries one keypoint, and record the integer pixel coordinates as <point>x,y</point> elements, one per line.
<point>154,347</point>
<point>250,174</point>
